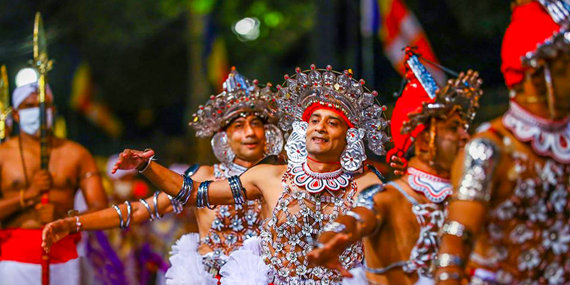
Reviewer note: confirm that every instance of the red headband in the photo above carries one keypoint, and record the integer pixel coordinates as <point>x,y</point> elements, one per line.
<point>317,106</point>
<point>411,100</point>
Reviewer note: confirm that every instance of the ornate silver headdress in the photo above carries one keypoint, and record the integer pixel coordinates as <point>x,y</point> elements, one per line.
<point>241,97</point>
<point>460,94</point>
<point>414,109</point>
<point>332,89</point>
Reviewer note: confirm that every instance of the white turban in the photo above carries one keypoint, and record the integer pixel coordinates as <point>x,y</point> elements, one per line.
<point>21,93</point>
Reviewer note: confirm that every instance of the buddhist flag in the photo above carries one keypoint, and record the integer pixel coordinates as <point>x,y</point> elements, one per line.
<point>398,28</point>
<point>83,101</point>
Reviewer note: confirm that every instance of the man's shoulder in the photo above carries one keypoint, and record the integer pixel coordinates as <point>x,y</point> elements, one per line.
<point>7,148</point>
<point>70,145</point>
<point>204,172</point>
<point>366,179</point>
<point>268,169</point>
<point>9,145</point>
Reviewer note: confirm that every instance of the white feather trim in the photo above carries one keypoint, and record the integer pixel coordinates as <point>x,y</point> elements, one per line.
<point>245,266</point>
<point>358,277</point>
<point>253,244</point>
<point>187,267</point>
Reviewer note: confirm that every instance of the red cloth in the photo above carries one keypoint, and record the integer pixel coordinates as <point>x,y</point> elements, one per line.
<point>530,25</point>
<point>317,106</point>
<point>24,245</point>
<point>413,96</point>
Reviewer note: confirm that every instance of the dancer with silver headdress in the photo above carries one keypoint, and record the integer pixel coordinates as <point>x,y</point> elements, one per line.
<point>331,115</point>
<point>512,184</point>
<point>241,122</point>
<point>399,221</point>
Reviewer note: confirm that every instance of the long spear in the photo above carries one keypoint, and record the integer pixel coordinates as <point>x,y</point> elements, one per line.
<point>43,65</point>
<point>4,104</point>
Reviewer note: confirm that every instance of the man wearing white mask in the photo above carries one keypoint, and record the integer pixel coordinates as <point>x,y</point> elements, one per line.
<point>22,182</point>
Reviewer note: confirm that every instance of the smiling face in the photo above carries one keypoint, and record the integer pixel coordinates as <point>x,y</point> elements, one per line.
<point>246,137</point>
<point>326,135</point>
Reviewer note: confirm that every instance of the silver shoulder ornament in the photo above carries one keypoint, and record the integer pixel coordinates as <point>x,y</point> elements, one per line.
<point>366,197</point>
<point>481,158</point>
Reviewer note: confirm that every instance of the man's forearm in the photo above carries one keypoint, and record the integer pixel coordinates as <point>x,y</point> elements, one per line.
<point>458,233</point>
<point>9,206</point>
<point>165,179</point>
<point>357,223</point>
<point>140,212</point>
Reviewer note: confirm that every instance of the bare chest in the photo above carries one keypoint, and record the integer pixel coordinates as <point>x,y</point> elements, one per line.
<point>18,170</point>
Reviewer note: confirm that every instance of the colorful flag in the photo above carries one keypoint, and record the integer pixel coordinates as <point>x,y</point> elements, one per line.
<point>83,101</point>
<point>399,28</point>
<point>215,55</point>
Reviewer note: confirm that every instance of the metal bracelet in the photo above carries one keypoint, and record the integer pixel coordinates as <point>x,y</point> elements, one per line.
<point>445,276</point>
<point>151,159</point>
<point>189,188</point>
<point>447,260</point>
<point>145,204</point>
<point>355,215</point>
<point>186,191</point>
<point>129,213</point>
<point>176,206</point>
<point>238,192</point>
<point>183,190</point>
<point>202,195</point>
<point>157,215</point>
<point>334,227</point>
<point>78,224</point>
<point>455,228</point>
<point>121,225</point>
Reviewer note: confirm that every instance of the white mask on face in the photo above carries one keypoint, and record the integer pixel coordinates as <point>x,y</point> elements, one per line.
<point>30,120</point>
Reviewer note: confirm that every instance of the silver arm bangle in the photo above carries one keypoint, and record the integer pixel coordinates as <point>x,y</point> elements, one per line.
<point>151,159</point>
<point>334,227</point>
<point>121,225</point>
<point>238,192</point>
<point>176,206</point>
<point>78,224</point>
<point>202,195</point>
<point>445,276</point>
<point>157,215</point>
<point>447,260</point>
<point>186,191</point>
<point>455,228</point>
<point>145,204</point>
<point>129,213</point>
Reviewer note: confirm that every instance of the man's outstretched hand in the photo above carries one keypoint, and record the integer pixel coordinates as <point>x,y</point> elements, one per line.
<point>327,254</point>
<point>131,159</point>
<point>54,232</point>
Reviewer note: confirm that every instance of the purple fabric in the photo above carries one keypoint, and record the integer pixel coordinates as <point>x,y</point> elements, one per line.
<point>109,269</point>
